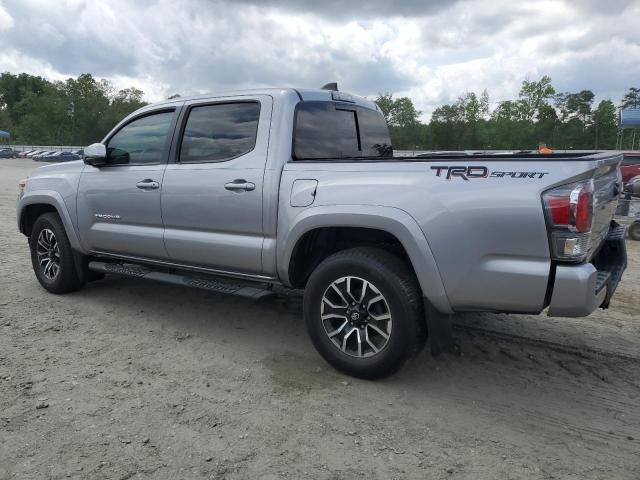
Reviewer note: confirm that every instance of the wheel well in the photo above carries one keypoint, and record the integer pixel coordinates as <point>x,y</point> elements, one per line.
<point>31,213</point>
<point>316,245</point>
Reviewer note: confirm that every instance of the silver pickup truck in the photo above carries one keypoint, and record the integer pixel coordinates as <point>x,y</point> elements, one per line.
<point>236,193</point>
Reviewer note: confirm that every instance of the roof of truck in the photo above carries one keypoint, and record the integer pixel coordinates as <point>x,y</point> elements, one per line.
<point>306,94</point>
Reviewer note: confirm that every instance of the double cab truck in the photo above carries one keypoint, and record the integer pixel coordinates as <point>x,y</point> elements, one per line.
<point>239,192</point>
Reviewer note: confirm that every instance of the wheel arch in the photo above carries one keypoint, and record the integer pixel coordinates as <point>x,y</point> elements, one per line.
<point>386,223</point>
<point>32,205</point>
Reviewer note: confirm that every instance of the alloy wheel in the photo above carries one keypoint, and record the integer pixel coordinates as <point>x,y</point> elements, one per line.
<point>356,316</point>
<point>48,253</point>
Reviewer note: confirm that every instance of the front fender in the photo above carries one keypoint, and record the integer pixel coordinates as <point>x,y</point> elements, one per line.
<point>53,198</point>
<point>392,220</point>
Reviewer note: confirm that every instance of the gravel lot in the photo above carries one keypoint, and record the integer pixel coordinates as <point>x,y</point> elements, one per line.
<point>127,379</point>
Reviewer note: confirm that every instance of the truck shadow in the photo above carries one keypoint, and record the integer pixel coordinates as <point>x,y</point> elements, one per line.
<point>498,384</point>
<point>274,329</point>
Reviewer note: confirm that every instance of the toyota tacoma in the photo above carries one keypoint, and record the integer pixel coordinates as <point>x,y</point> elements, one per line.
<point>239,192</point>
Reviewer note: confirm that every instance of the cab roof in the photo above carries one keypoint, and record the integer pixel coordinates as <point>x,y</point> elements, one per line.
<point>304,94</point>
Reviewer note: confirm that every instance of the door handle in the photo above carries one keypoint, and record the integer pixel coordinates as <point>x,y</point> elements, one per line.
<point>148,184</point>
<point>241,184</point>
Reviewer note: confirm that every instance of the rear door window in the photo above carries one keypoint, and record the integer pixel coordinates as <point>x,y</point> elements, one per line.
<point>220,132</point>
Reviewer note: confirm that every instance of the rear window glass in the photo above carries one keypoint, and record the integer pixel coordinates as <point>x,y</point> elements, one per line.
<point>332,130</point>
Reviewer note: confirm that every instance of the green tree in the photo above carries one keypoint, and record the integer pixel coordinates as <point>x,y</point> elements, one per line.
<point>403,120</point>
<point>41,117</point>
<point>5,121</point>
<point>579,105</point>
<point>471,109</point>
<point>13,88</point>
<point>404,113</point>
<point>604,125</point>
<point>533,95</point>
<point>631,98</point>
<point>78,111</point>
<point>399,112</point>
<point>507,110</point>
<point>447,125</point>
<point>121,104</point>
<point>575,118</point>
<point>87,102</point>
<point>547,126</point>
<point>386,103</point>
<point>509,127</point>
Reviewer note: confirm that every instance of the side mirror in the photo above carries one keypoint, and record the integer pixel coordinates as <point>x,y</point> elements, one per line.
<point>95,155</point>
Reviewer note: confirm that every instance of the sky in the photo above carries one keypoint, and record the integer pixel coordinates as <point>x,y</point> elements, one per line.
<point>430,50</point>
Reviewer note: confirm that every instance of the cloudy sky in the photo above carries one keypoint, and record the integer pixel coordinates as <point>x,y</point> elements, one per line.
<point>430,50</point>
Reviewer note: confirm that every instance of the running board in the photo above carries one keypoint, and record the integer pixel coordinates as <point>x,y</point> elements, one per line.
<point>217,286</point>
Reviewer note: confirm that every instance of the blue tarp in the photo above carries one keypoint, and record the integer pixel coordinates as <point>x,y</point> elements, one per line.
<point>4,134</point>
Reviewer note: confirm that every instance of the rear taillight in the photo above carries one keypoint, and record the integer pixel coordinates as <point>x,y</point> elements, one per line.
<point>569,214</point>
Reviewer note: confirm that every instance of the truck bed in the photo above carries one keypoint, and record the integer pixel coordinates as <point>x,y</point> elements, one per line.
<point>493,156</point>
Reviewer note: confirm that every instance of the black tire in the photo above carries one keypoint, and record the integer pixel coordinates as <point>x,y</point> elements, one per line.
<point>634,231</point>
<point>66,279</point>
<point>396,282</point>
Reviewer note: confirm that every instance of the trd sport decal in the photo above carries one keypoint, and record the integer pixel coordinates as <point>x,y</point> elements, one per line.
<point>480,172</point>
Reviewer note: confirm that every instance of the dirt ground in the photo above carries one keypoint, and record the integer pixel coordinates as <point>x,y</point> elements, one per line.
<point>131,380</point>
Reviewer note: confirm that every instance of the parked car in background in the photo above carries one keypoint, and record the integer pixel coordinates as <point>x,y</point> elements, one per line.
<point>25,153</point>
<point>630,166</point>
<point>8,153</point>
<point>70,157</point>
<point>39,157</point>
<point>34,153</point>
<point>62,157</point>
<point>48,157</point>
<point>78,152</point>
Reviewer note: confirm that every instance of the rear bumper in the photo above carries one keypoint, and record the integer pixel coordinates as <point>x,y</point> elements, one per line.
<point>579,289</point>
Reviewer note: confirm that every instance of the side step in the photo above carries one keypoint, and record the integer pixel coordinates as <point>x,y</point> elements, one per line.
<point>219,286</point>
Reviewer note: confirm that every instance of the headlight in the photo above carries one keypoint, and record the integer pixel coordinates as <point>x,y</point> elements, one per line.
<point>21,184</point>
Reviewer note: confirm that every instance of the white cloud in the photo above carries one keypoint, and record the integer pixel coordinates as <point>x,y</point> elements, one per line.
<point>6,20</point>
<point>433,54</point>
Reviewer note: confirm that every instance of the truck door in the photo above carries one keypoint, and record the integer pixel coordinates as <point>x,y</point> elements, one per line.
<point>212,191</point>
<point>119,203</point>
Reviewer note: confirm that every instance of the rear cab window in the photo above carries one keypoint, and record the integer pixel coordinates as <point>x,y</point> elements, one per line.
<point>333,130</point>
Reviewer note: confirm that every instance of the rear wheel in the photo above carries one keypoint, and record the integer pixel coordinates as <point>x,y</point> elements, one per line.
<point>634,231</point>
<point>52,256</point>
<point>364,312</point>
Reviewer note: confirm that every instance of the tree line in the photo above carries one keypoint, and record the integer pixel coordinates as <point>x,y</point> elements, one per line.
<point>540,115</point>
<point>78,111</point>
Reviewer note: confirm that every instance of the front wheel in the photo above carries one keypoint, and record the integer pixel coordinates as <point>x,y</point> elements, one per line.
<point>634,231</point>
<point>52,256</point>
<point>364,312</point>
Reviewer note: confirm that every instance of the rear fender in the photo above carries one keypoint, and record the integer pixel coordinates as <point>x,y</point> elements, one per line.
<point>391,220</point>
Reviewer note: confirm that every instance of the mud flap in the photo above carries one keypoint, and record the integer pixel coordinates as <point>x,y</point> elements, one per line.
<point>81,264</point>
<point>440,331</point>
